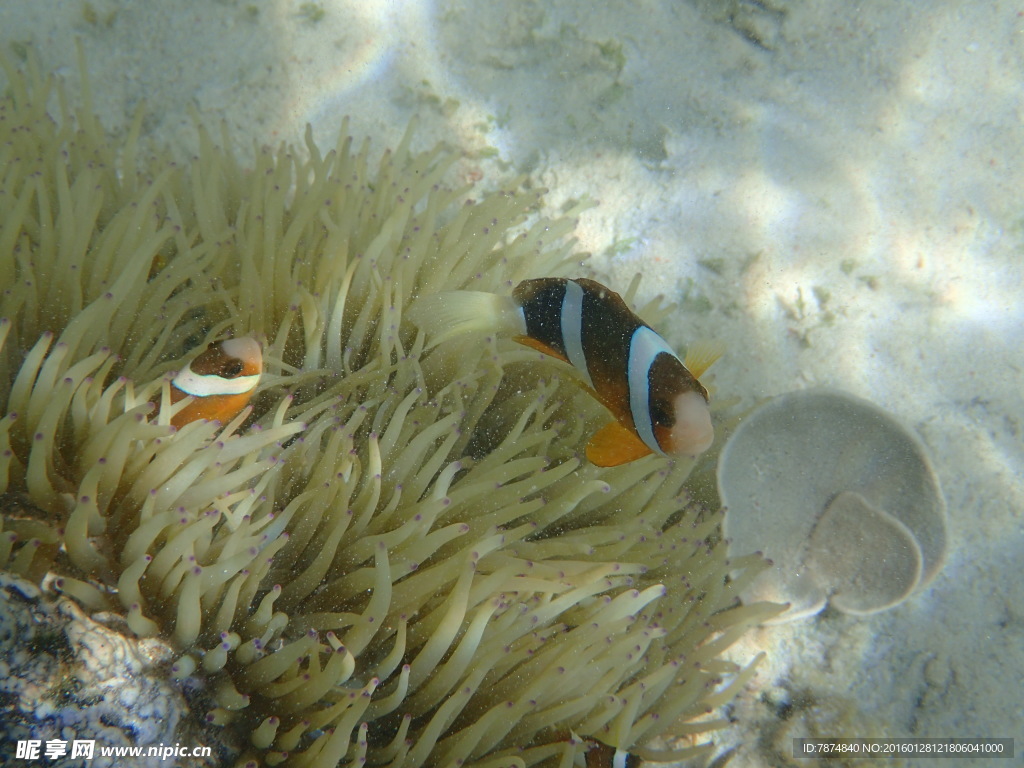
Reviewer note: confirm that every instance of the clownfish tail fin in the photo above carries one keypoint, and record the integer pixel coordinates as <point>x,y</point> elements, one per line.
<point>444,316</point>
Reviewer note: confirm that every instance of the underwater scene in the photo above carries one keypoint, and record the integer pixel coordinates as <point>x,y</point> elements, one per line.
<point>520,383</point>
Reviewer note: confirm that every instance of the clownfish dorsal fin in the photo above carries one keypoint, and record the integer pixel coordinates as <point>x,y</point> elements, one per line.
<point>701,356</point>
<point>615,444</point>
<point>540,346</point>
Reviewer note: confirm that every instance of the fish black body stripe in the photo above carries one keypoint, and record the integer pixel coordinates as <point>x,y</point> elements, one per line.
<point>541,303</point>
<point>608,326</point>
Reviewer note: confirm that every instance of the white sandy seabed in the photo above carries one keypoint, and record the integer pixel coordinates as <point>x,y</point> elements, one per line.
<point>831,189</point>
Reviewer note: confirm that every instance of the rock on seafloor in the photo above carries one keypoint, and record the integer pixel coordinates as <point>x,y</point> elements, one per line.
<point>65,676</point>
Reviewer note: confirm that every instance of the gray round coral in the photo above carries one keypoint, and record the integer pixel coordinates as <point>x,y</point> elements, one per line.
<point>840,496</point>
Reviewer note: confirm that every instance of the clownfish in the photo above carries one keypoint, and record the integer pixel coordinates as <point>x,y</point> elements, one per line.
<point>601,755</point>
<point>597,754</point>
<point>220,380</point>
<point>658,402</point>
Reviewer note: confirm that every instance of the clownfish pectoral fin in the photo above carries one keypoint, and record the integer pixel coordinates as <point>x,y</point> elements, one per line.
<point>701,356</point>
<point>540,346</point>
<point>615,444</point>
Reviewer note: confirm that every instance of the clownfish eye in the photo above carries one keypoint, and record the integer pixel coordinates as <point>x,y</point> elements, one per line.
<point>233,369</point>
<point>661,414</point>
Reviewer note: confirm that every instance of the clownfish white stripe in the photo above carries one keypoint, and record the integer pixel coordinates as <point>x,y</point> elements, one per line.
<point>205,385</point>
<point>644,347</point>
<point>572,330</point>
<point>621,759</point>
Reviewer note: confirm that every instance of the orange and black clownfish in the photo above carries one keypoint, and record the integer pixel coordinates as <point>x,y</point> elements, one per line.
<point>220,380</point>
<point>601,755</point>
<point>658,403</point>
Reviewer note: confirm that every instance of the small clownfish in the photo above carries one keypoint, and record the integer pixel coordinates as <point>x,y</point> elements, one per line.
<point>601,755</point>
<point>658,403</point>
<point>221,381</point>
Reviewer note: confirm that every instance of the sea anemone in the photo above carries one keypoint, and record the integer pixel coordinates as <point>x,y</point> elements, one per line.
<point>391,557</point>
